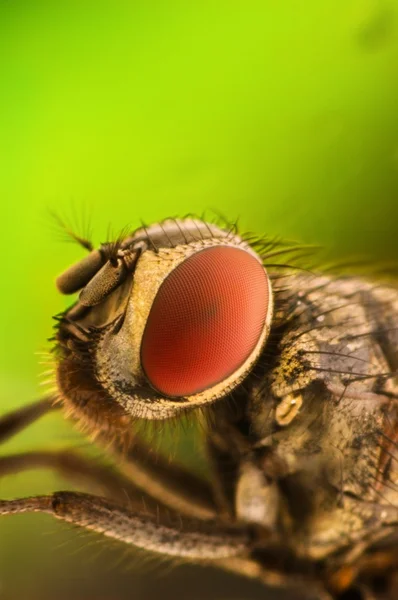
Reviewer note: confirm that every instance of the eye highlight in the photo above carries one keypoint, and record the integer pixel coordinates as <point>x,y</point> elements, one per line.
<point>205,321</point>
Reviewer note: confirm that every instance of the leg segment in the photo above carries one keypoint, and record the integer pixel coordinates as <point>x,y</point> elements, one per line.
<point>143,531</point>
<point>166,482</point>
<point>79,469</point>
<point>143,469</point>
<point>13,422</point>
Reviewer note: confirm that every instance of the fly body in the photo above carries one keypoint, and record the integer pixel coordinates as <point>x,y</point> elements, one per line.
<point>293,377</point>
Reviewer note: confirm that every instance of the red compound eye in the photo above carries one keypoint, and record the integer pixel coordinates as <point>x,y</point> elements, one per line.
<point>205,321</point>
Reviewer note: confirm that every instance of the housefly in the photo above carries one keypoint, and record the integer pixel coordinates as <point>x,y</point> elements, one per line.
<point>292,376</point>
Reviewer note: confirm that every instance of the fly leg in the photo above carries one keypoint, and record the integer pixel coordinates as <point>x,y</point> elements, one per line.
<point>81,471</point>
<point>17,420</point>
<point>140,468</point>
<point>68,464</point>
<point>193,542</point>
<point>210,543</point>
<point>167,482</point>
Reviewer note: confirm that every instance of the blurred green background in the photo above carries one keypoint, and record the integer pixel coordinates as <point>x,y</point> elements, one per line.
<point>283,114</point>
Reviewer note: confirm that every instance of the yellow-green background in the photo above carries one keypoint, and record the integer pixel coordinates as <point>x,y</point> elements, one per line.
<point>283,113</point>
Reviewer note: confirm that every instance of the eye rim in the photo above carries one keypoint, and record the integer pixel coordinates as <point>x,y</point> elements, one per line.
<point>229,382</point>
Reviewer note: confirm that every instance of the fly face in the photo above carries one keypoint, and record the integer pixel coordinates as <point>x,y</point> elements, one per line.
<point>174,318</point>
<point>297,388</point>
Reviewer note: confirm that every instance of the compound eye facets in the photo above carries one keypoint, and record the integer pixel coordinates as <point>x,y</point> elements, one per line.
<point>205,321</point>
